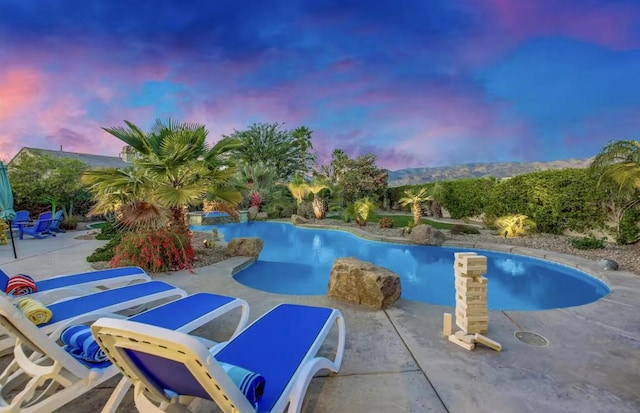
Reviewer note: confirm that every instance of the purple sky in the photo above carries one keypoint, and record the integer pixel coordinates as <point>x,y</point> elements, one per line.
<point>418,83</point>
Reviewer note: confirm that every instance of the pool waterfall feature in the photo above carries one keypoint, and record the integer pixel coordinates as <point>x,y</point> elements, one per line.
<point>199,218</point>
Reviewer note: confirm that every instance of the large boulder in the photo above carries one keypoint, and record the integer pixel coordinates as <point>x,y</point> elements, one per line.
<point>426,235</point>
<point>360,282</point>
<point>297,219</point>
<point>253,212</point>
<point>245,247</point>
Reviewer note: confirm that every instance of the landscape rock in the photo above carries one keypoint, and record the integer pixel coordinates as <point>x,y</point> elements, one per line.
<point>262,216</point>
<point>607,264</point>
<point>363,283</point>
<point>297,219</point>
<point>253,212</point>
<point>426,235</point>
<point>245,247</point>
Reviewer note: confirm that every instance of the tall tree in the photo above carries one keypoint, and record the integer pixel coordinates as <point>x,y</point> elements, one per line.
<point>288,151</point>
<point>360,177</point>
<point>175,168</point>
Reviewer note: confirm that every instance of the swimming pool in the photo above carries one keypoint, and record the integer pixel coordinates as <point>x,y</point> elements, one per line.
<point>298,261</point>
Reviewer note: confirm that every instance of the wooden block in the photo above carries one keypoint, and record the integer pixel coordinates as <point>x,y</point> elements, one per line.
<point>459,255</point>
<point>447,324</point>
<point>472,317</point>
<point>472,328</point>
<point>471,306</point>
<point>467,282</point>
<point>467,338</point>
<point>469,274</point>
<point>466,346</point>
<point>486,341</point>
<point>467,264</point>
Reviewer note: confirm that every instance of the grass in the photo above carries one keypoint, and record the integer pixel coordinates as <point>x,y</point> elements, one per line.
<point>402,221</point>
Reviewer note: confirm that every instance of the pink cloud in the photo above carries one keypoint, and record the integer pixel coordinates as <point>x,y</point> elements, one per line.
<point>19,88</point>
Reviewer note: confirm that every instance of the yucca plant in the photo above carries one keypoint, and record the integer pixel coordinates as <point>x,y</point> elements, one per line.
<point>363,208</point>
<point>512,226</point>
<point>415,199</point>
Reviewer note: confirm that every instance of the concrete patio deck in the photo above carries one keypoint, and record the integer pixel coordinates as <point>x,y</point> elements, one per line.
<point>397,361</point>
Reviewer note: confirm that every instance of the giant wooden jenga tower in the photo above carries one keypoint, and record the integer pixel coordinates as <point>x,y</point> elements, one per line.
<point>472,315</point>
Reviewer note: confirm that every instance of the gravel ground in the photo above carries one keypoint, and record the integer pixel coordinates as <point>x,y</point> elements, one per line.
<point>627,256</point>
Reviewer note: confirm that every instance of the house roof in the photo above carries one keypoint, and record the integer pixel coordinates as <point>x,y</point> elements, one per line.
<point>95,161</point>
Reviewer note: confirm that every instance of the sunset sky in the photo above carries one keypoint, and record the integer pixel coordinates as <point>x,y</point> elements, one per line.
<point>417,82</point>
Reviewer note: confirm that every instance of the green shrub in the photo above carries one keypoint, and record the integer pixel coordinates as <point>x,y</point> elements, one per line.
<point>69,223</point>
<point>629,232</point>
<point>108,231</point>
<point>409,227</point>
<point>457,229</point>
<point>386,222</point>
<point>106,252</point>
<point>586,243</point>
<point>465,197</point>
<point>349,213</point>
<point>556,200</point>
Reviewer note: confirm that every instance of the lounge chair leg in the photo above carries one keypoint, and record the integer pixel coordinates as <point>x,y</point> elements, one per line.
<point>116,397</point>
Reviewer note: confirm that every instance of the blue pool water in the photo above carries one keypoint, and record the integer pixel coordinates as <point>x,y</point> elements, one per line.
<point>216,214</point>
<point>298,261</point>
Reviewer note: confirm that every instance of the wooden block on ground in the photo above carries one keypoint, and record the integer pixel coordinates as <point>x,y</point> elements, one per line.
<point>486,341</point>
<point>467,338</point>
<point>466,346</point>
<point>447,324</point>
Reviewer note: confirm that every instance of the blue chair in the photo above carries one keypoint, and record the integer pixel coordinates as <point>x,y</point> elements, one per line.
<point>55,222</point>
<point>39,229</point>
<point>22,218</point>
<point>66,373</point>
<point>280,349</point>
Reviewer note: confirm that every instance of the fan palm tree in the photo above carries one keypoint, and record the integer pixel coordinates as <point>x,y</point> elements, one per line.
<point>415,198</point>
<point>174,168</point>
<point>619,163</point>
<point>319,205</point>
<point>298,188</point>
<point>362,208</point>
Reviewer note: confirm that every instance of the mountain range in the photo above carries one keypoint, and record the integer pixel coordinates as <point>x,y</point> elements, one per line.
<point>412,176</point>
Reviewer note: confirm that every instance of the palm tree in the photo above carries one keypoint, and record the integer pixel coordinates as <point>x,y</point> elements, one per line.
<point>174,168</point>
<point>415,198</point>
<point>298,188</point>
<point>619,163</point>
<point>362,208</point>
<point>319,205</point>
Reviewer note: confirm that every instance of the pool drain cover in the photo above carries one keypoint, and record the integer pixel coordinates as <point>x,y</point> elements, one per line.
<point>531,338</point>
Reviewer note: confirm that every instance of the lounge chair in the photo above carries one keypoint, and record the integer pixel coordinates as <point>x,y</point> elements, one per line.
<point>54,377</point>
<point>55,222</point>
<point>107,301</point>
<point>82,283</point>
<point>169,368</point>
<point>39,229</point>
<point>22,218</point>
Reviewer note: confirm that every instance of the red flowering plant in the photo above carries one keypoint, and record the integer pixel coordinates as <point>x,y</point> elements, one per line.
<point>155,250</point>
<point>256,199</point>
<point>386,222</point>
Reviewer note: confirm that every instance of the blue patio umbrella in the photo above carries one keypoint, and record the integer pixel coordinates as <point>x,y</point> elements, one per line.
<point>6,203</point>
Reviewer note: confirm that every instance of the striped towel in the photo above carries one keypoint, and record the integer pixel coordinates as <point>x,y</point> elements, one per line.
<point>79,342</point>
<point>21,284</point>
<point>35,311</point>
<point>250,384</point>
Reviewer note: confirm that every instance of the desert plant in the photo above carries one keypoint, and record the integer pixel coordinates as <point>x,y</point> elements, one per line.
<point>256,199</point>
<point>319,204</point>
<point>349,213</point>
<point>409,227</point>
<point>415,198</point>
<point>69,223</point>
<point>386,222</point>
<point>512,226</point>
<point>363,208</point>
<point>587,243</point>
<point>457,229</point>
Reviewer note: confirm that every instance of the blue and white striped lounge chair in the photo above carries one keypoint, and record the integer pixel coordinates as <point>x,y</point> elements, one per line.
<point>107,301</point>
<point>82,283</point>
<point>169,368</point>
<point>54,377</point>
